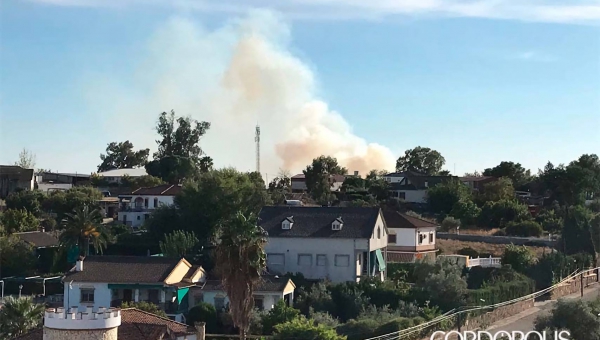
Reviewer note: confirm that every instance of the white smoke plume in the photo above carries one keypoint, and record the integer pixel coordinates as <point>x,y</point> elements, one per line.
<point>235,77</point>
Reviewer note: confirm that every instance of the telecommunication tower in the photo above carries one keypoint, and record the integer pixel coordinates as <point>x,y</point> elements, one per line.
<point>257,140</point>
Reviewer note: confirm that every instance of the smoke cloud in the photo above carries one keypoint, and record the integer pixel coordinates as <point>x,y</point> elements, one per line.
<point>235,77</point>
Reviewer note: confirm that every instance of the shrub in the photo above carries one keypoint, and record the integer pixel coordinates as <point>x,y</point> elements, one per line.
<point>399,324</point>
<point>358,329</point>
<point>348,300</point>
<point>467,211</point>
<point>468,251</point>
<point>501,291</point>
<point>441,283</point>
<point>450,223</point>
<point>549,220</point>
<point>281,313</point>
<point>499,214</point>
<point>524,228</point>
<point>318,297</point>
<point>302,328</point>
<point>323,318</point>
<point>519,257</point>
<point>204,312</point>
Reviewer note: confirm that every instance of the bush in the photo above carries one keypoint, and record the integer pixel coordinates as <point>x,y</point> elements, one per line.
<point>358,329</point>
<point>146,307</point>
<point>441,283</point>
<point>467,211</point>
<point>524,228</point>
<point>500,214</point>
<point>348,300</point>
<point>450,223</point>
<point>501,292</point>
<point>302,328</point>
<point>204,312</point>
<point>549,221</point>
<point>281,313</point>
<point>318,297</point>
<point>399,324</point>
<point>442,197</point>
<point>323,318</point>
<point>520,258</point>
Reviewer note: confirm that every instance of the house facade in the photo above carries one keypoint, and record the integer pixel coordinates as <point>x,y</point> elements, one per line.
<point>477,183</point>
<point>335,243</point>
<point>411,186</point>
<point>114,176</point>
<point>298,182</point>
<point>99,281</point>
<point>135,208</point>
<point>410,238</point>
<point>13,178</point>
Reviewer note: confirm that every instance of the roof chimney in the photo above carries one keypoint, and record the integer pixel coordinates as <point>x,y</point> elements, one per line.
<point>79,264</point>
<point>356,173</point>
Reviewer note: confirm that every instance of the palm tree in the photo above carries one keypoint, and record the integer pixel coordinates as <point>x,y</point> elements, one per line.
<point>82,227</point>
<point>241,259</point>
<point>19,315</point>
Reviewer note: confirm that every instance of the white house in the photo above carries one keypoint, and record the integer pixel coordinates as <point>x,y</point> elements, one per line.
<point>335,243</point>
<point>114,176</point>
<point>412,186</point>
<point>136,207</point>
<point>108,281</point>
<point>410,238</point>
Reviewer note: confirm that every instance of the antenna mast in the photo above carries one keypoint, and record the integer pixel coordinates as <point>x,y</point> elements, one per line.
<point>257,140</point>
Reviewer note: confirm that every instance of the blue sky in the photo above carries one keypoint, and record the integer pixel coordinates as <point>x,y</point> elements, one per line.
<point>481,82</point>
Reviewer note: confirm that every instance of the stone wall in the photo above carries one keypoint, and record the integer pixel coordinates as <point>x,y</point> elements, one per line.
<point>574,286</point>
<point>93,334</point>
<point>497,314</point>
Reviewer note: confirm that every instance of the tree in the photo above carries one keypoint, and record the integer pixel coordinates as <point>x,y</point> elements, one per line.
<point>302,328</point>
<point>442,197</point>
<point>450,223</point>
<point>577,231</point>
<point>467,211</point>
<point>520,258</point>
<point>421,159</point>
<point>502,189</point>
<point>377,186</point>
<point>281,313</point>
<point>19,315</point>
<point>443,284</point>
<point>242,259</point>
<point>204,312</point>
<point>19,220</point>
<point>26,159</point>
<point>122,156</point>
<point>63,202</point>
<point>179,155</point>
<point>17,257</point>
<point>318,175</point>
<point>82,228</point>
<point>146,307</point>
<point>145,181</point>
<point>577,317</point>
<point>30,200</point>
<point>549,220</point>
<point>515,171</point>
<point>473,174</point>
<point>280,186</point>
<point>500,214</point>
<point>178,244</point>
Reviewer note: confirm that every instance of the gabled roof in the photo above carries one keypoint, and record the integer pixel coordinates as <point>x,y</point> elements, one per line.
<point>359,222</point>
<point>394,219</point>
<point>16,172</point>
<point>268,283</point>
<point>140,317</point>
<point>159,190</point>
<point>124,269</point>
<point>38,239</point>
<point>476,179</point>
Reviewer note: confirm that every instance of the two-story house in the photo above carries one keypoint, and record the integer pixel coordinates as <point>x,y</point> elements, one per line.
<point>412,186</point>
<point>136,207</point>
<point>410,238</point>
<point>335,243</point>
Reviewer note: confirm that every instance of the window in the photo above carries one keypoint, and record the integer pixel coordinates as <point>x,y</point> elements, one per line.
<point>146,216</point>
<point>402,195</point>
<point>155,202</point>
<point>430,237</point>
<point>378,232</point>
<point>87,295</point>
<point>219,303</point>
<point>146,202</point>
<point>305,260</point>
<point>276,263</point>
<point>153,295</point>
<point>321,260</point>
<point>336,226</point>
<point>392,239</point>
<point>421,237</point>
<point>139,217</point>
<point>342,260</point>
<point>286,225</point>
<point>124,218</point>
<point>259,303</point>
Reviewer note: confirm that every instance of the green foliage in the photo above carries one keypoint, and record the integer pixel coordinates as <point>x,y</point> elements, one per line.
<point>450,223</point>
<point>140,182</point>
<point>279,187</point>
<point>441,283</point>
<point>514,171</point>
<point>17,257</point>
<point>178,244</point>
<point>317,297</point>
<point>172,169</point>
<point>18,316</point>
<point>358,329</point>
<point>568,185</point>
<point>82,228</point>
<point>501,291</point>
<point>524,229</point>
<point>14,221</point>
<point>549,220</point>
<point>301,328</point>
<point>421,159</point>
<point>204,312</point>
<point>348,300</point>
<point>467,211</point>
<point>30,200</point>
<point>122,156</point>
<point>553,267</point>
<point>520,258</point>
<point>281,313</point>
<point>64,202</point>
<point>468,251</point>
<point>146,307</point>
<point>500,214</point>
<point>323,318</point>
<point>577,231</point>
<point>577,317</point>
<point>317,176</point>
<point>502,189</point>
<point>595,205</point>
<point>442,197</point>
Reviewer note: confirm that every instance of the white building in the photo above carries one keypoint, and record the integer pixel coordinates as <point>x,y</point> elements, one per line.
<point>411,186</point>
<point>136,207</point>
<point>410,238</point>
<point>114,176</point>
<point>336,243</point>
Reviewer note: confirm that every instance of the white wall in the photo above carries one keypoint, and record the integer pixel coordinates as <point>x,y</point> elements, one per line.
<point>415,196</point>
<point>381,242</point>
<point>426,232</point>
<point>45,187</point>
<point>269,298</point>
<point>409,237</point>
<point>290,248</point>
<point>102,295</point>
<point>132,217</point>
<point>392,179</point>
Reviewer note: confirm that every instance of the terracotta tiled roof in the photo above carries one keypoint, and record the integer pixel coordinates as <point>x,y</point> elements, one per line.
<point>269,283</point>
<point>136,316</point>
<point>394,219</point>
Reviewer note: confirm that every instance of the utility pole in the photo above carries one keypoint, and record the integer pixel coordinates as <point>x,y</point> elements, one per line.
<point>257,140</point>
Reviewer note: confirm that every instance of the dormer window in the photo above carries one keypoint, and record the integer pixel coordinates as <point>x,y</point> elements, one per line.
<point>287,223</point>
<point>337,224</point>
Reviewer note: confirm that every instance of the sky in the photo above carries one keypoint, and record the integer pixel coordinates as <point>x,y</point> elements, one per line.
<point>480,81</point>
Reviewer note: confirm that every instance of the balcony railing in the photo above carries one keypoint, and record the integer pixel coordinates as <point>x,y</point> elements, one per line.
<point>137,208</point>
<point>485,262</point>
<point>167,307</point>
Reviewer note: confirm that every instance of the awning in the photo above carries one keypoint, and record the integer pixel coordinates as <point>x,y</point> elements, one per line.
<point>380,259</point>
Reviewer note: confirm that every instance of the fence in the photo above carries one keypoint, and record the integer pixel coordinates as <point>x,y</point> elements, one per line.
<point>457,314</point>
<point>485,262</point>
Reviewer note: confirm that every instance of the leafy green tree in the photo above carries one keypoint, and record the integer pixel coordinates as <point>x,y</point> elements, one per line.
<point>466,211</point>
<point>301,328</point>
<point>577,317</point>
<point>140,182</point>
<point>122,156</point>
<point>204,312</point>
<point>502,189</point>
<point>26,159</point>
<point>242,259</point>
<point>520,258</point>
<point>524,229</point>
<point>420,159</point>
<point>14,221</point>
<point>318,174</point>
<point>515,171</point>
<point>146,307</point>
<point>18,316</point>
<point>549,220</point>
<point>17,257</point>
<point>570,185</point>
<point>444,285</point>
<point>63,202</point>
<point>30,200</point>
<point>179,155</point>
<point>178,244</point>
<point>450,223</point>
<point>83,227</point>
<point>442,197</point>
<point>280,186</point>
<point>500,214</point>
<point>377,186</point>
<point>577,231</point>
<point>281,313</point>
